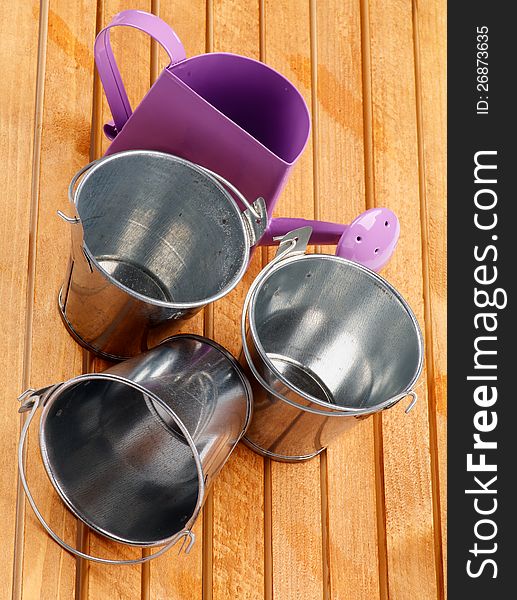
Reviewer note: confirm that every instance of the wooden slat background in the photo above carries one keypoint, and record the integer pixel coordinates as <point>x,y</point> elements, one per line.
<point>367,519</point>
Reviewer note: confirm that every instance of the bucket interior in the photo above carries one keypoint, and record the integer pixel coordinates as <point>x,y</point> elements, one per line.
<point>161,228</point>
<point>336,332</point>
<point>253,96</point>
<point>117,464</point>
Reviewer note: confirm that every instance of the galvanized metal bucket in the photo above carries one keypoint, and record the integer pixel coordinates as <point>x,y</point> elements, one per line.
<point>155,238</point>
<point>329,342</point>
<point>132,451</point>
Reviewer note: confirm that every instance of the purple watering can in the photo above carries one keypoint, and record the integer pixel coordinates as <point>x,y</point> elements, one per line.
<point>230,114</point>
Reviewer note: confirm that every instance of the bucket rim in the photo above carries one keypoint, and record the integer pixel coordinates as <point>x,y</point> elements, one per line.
<point>55,484</point>
<point>199,170</point>
<point>323,407</point>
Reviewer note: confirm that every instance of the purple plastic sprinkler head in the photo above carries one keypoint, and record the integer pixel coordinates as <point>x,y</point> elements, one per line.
<point>371,238</point>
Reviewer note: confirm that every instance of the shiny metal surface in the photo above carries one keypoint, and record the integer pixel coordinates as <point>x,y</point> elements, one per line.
<point>157,238</point>
<point>132,451</point>
<point>332,342</point>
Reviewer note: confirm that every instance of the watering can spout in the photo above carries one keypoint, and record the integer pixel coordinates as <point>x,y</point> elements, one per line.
<point>370,239</point>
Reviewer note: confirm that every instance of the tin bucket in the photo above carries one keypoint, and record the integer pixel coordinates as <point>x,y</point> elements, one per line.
<point>329,342</point>
<point>154,240</point>
<point>133,451</point>
<point>231,114</point>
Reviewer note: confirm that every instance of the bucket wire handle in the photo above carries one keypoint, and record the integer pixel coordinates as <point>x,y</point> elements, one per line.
<point>293,243</point>
<point>255,213</point>
<point>413,395</point>
<point>71,191</point>
<point>219,178</point>
<point>107,66</point>
<point>32,399</point>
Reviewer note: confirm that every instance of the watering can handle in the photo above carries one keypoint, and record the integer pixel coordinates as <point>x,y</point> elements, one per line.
<point>107,66</point>
<point>31,401</point>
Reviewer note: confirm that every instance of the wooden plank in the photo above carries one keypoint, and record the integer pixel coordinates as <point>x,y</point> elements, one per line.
<point>49,572</point>
<point>19,35</point>
<point>132,50</point>
<point>181,576</point>
<point>340,193</point>
<point>236,26</point>
<point>405,438</point>
<point>296,523</point>
<point>431,51</point>
<point>237,569</point>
